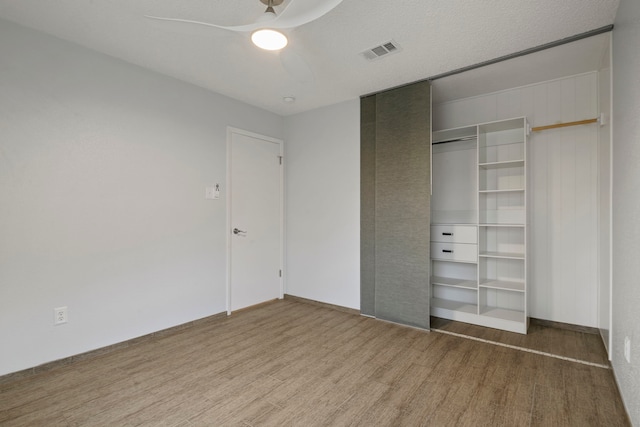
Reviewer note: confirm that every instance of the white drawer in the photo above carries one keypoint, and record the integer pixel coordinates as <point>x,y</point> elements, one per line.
<point>454,252</point>
<point>454,233</point>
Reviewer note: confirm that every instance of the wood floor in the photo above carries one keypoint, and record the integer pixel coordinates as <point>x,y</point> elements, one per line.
<point>289,363</point>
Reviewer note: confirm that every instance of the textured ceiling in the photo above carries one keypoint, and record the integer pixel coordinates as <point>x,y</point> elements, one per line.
<point>322,65</point>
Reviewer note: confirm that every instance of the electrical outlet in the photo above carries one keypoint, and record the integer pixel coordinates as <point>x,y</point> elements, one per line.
<point>627,349</point>
<point>59,315</point>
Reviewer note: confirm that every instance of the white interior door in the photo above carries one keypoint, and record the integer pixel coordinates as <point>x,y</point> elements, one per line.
<point>255,219</point>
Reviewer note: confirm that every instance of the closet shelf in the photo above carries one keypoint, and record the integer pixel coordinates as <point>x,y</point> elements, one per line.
<point>494,224</point>
<point>454,283</point>
<point>456,134</point>
<point>503,314</point>
<point>504,164</point>
<point>454,305</point>
<point>502,255</point>
<point>510,190</point>
<point>453,223</point>
<point>502,285</point>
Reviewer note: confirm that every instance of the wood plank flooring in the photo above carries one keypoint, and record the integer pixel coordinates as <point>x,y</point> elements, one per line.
<point>289,363</point>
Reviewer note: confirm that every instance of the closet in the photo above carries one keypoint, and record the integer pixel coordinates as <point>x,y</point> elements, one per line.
<point>479,224</point>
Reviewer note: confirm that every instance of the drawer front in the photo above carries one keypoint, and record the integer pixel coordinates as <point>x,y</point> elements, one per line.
<point>454,233</point>
<point>454,252</point>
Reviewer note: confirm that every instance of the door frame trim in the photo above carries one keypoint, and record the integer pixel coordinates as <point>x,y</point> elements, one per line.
<point>230,131</point>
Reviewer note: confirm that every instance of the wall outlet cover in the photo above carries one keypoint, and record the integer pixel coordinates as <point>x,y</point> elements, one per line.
<point>59,315</point>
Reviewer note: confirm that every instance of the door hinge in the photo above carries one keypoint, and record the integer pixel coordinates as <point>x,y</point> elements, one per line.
<point>280,273</point>
<point>280,159</point>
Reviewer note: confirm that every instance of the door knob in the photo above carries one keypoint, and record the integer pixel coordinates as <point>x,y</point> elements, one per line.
<point>237,231</point>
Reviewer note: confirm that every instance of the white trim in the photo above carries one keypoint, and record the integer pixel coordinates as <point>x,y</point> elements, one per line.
<point>611,119</point>
<point>608,115</point>
<point>430,149</point>
<point>230,131</point>
<point>228,223</point>
<point>283,232</point>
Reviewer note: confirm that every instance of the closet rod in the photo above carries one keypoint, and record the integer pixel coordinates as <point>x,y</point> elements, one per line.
<point>562,125</point>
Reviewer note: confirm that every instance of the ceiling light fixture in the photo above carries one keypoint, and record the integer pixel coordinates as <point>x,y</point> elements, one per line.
<point>268,39</point>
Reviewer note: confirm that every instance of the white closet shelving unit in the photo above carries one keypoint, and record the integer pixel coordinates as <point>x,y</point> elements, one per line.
<point>479,225</point>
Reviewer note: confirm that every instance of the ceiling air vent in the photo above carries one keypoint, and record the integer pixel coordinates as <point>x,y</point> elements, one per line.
<point>384,49</point>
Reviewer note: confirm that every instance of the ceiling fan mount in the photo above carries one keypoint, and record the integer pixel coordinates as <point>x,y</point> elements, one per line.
<point>273,2</point>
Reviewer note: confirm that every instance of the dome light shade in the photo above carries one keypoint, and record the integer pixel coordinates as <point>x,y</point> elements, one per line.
<point>269,39</point>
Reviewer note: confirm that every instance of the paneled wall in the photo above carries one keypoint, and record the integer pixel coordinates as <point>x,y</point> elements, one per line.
<point>563,166</point>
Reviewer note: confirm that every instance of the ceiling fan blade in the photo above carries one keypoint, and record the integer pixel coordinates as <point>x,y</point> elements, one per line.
<point>300,12</point>
<point>236,28</point>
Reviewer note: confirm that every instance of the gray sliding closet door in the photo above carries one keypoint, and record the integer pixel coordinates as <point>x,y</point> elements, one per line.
<point>368,206</point>
<point>395,210</point>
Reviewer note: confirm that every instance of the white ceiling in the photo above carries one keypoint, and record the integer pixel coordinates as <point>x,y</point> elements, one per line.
<point>322,65</point>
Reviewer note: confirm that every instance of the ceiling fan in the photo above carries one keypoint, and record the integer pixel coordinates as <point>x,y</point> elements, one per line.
<point>264,30</point>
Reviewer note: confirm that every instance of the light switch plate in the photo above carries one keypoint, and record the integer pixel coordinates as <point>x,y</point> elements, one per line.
<point>213,192</point>
<point>209,193</point>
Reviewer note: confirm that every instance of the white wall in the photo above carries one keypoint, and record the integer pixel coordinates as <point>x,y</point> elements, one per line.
<point>626,203</point>
<point>322,176</point>
<point>103,168</point>
<point>563,188</point>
